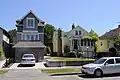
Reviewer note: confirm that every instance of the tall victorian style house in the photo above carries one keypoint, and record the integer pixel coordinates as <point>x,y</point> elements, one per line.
<point>30,37</point>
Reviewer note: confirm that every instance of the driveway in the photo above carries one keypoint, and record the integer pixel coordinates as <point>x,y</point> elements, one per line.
<point>27,74</point>
<point>38,65</point>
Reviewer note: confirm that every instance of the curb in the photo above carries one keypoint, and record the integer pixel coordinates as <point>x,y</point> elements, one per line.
<point>59,74</point>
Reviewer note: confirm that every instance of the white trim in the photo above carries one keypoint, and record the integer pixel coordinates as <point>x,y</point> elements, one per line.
<point>27,23</point>
<point>29,31</point>
<point>40,33</point>
<point>6,39</point>
<point>34,36</point>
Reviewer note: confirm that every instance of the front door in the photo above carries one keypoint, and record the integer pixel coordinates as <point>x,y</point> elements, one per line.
<point>109,66</point>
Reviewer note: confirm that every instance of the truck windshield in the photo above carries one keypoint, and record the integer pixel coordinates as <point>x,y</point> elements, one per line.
<point>100,61</point>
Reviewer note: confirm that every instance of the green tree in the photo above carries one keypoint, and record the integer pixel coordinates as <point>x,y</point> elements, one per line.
<point>66,50</point>
<point>12,34</point>
<point>117,43</point>
<point>94,37</point>
<point>2,55</point>
<point>48,35</point>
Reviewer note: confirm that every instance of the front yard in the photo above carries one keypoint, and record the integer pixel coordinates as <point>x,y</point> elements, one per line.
<point>3,71</point>
<point>61,70</point>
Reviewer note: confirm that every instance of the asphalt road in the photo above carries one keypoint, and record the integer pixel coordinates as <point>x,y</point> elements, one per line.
<point>84,77</point>
<point>36,74</point>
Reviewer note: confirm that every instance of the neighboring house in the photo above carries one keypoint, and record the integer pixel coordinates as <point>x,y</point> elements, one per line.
<point>30,37</point>
<point>107,40</point>
<point>5,46</point>
<point>75,40</point>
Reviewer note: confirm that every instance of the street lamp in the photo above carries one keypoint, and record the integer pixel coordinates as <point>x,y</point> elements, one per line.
<point>87,52</point>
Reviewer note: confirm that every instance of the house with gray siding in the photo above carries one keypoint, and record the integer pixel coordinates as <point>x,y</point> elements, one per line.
<point>30,37</point>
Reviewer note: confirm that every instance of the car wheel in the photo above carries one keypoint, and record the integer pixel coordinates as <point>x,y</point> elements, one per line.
<point>98,73</point>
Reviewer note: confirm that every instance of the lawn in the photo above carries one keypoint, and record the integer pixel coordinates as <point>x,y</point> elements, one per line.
<point>61,70</point>
<point>3,71</point>
<point>71,59</point>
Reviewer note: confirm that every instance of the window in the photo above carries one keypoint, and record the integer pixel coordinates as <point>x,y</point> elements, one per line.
<point>101,43</point>
<point>100,61</point>
<point>76,32</point>
<point>110,61</point>
<point>88,42</point>
<point>81,42</point>
<point>79,32</point>
<point>75,44</point>
<point>32,37</point>
<point>36,37</point>
<point>84,43</point>
<point>117,60</point>
<point>108,44</point>
<point>23,37</point>
<point>30,22</point>
<point>28,37</point>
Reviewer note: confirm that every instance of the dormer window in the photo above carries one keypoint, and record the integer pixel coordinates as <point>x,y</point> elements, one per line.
<point>76,32</point>
<point>30,23</point>
<point>79,32</point>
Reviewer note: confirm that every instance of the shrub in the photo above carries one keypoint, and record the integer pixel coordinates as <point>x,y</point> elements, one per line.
<point>71,54</point>
<point>53,54</point>
<point>2,56</point>
<point>66,49</point>
<point>48,50</point>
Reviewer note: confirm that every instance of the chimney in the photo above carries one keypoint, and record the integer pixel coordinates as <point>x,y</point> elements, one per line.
<point>119,26</point>
<point>73,26</point>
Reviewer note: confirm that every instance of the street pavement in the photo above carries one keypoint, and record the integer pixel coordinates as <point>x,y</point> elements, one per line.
<point>36,74</point>
<point>27,74</point>
<point>84,77</point>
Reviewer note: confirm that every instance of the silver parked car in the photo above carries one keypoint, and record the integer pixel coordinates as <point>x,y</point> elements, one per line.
<point>28,59</point>
<point>105,65</point>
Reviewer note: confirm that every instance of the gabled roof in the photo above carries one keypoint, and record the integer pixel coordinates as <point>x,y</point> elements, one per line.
<point>111,34</point>
<point>30,12</point>
<point>67,34</point>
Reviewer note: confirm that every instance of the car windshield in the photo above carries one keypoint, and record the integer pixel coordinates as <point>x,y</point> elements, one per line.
<point>100,61</point>
<point>28,56</point>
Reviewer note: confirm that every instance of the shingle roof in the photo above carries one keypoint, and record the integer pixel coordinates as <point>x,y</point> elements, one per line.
<point>19,20</point>
<point>111,34</point>
<point>29,44</point>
